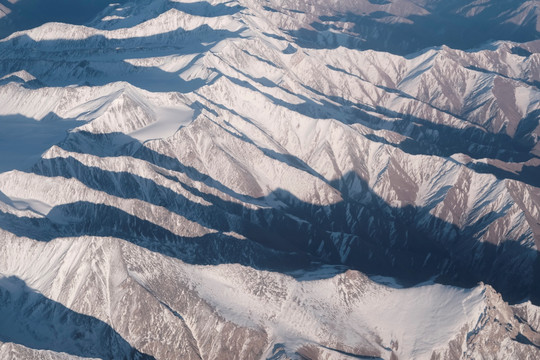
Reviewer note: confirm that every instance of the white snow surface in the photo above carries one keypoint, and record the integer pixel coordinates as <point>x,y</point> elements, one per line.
<point>169,120</point>
<point>347,310</point>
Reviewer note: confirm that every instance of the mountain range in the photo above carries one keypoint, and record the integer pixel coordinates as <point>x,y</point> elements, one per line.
<point>270,180</point>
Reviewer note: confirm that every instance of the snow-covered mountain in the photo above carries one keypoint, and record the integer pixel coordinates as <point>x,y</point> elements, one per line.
<point>258,180</point>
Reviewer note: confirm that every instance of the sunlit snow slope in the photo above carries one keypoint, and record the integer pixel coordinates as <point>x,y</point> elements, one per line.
<point>259,180</point>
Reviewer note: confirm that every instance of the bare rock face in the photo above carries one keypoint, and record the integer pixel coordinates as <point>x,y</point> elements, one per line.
<point>278,180</point>
<point>506,328</point>
<point>12,351</point>
<point>499,333</point>
<point>146,305</point>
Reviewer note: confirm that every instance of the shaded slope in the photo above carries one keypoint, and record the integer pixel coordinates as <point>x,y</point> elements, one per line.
<point>31,320</point>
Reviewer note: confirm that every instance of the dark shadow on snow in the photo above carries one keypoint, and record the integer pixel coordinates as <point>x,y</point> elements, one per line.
<point>132,15</point>
<point>443,25</point>
<point>82,70</point>
<point>36,322</point>
<point>362,232</point>
<point>404,242</point>
<point>23,139</point>
<point>421,136</point>
<point>27,14</point>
